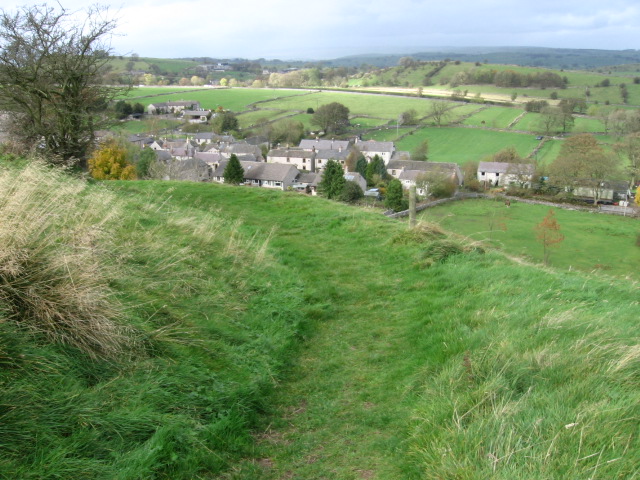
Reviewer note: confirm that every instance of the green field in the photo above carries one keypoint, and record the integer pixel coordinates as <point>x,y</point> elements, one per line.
<point>235,99</point>
<point>604,244</point>
<point>549,151</point>
<point>494,117</point>
<point>383,106</point>
<point>462,145</point>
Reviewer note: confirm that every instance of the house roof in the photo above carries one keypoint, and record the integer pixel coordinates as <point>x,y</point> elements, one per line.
<point>446,168</point>
<point>243,148</point>
<point>400,155</point>
<point>278,172</point>
<point>163,155</point>
<point>289,153</point>
<point>306,177</point>
<point>209,157</point>
<point>332,154</point>
<point>204,136</point>
<point>410,175</point>
<point>374,146</point>
<point>504,167</point>
<point>356,177</point>
<point>196,113</point>
<point>319,144</point>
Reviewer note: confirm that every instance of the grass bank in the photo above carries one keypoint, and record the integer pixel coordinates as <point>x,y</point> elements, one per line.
<point>282,336</point>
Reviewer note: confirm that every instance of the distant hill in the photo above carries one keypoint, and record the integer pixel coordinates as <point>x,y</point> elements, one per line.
<point>565,58</point>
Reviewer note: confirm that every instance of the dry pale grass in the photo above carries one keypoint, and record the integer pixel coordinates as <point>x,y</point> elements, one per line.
<point>52,277</point>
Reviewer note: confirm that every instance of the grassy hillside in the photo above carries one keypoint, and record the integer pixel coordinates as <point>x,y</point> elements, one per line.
<point>272,335</point>
<point>138,338</point>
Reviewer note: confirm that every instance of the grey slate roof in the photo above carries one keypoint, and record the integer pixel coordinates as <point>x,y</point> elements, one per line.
<point>447,168</point>
<point>374,146</point>
<point>209,157</point>
<point>319,144</point>
<point>290,152</point>
<point>278,172</point>
<point>243,149</point>
<point>411,165</point>
<point>332,154</point>
<point>411,175</point>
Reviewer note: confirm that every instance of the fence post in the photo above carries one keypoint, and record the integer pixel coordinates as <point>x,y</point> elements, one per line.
<point>412,206</point>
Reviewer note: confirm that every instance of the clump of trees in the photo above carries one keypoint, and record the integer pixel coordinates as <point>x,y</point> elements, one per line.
<point>284,131</point>
<point>124,109</point>
<point>52,69</point>
<point>508,78</point>
<point>224,122</point>
<point>331,118</point>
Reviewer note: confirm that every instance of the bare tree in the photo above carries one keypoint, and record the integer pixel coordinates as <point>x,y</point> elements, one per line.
<point>51,71</point>
<point>439,111</point>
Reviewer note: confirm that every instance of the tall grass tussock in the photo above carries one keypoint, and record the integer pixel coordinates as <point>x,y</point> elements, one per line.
<point>53,246</point>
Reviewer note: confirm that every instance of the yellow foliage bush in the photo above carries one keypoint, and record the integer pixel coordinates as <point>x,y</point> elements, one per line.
<point>109,162</point>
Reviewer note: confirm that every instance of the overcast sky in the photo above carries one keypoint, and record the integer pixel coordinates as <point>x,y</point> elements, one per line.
<point>295,29</point>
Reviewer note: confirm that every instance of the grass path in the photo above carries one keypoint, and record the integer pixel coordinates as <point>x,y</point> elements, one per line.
<point>340,414</point>
<point>397,356</point>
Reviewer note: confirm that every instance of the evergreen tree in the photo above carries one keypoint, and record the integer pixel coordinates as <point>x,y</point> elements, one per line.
<point>361,165</point>
<point>233,172</point>
<point>333,181</point>
<point>394,199</point>
<point>375,168</point>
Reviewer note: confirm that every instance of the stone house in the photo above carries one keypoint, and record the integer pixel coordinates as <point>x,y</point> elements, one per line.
<point>502,174</point>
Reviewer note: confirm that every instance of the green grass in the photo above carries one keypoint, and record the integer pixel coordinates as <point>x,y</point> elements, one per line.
<point>593,242</point>
<point>258,117</point>
<point>235,99</point>
<point>549,152</point>
<point>316,340</point>
<point>388,134</point>
<point>368,122</point>
<point>383,106</point>
<point>148,125</point>
<point>462,145</point>
<point>494,117</point>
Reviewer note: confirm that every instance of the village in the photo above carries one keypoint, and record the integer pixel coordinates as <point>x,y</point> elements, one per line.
<point>203,157</point>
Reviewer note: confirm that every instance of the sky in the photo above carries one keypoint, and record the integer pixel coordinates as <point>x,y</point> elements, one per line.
<point>298,30</point>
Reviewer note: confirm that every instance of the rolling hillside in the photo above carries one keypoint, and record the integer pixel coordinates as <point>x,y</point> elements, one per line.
<point>275,335</point>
